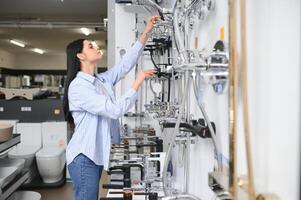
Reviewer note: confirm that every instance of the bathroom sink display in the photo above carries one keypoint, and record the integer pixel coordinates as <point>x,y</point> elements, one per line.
<point>7,174</point>
<point>13,162</point>
<point>6,131</point>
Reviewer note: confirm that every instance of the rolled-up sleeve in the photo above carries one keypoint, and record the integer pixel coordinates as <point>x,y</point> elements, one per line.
<point>84,98</point>
<point>118,71</point>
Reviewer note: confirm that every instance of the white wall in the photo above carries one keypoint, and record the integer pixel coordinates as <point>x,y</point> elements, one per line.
<point>32,61</point>
<point>7,60</point>
<point>39,62</point>
<point>121,35</point>
<point>274,69</point>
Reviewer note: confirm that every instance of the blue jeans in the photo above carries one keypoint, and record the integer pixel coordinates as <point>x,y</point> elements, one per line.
<point>85,175</point>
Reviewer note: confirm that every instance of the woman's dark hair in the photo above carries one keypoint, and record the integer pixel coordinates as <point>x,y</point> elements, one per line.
<point>73,66</point>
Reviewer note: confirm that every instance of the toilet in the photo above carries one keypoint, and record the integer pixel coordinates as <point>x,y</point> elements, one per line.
<point>51,162</point>
<point>31,143</point>
<point>51,159</point>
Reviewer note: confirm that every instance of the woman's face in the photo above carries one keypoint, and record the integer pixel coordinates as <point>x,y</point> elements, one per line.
<point>90,52</point>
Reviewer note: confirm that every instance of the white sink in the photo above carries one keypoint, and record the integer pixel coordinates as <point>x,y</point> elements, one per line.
<point>25,195</point>
<point>13,162</point>
<point>7,174</point>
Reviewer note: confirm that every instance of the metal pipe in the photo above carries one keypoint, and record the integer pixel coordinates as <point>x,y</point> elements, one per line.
<point>162,10</point>
<point>244,77</point>
<point>152,89</point>
<point>233,92</point>
<point>187,145</point>
<point>188,161</point>
<point>191,6</point>
<point>145,98</point>
<point>155,5</point>
<point>174,134</point>
<point>193,66</point>
<point>211,130</point>
<point>178,39</point>
<point>148,10</point>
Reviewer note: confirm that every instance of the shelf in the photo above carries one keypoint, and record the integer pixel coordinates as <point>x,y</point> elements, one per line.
<point>14,185</point>
<point>10,143</point>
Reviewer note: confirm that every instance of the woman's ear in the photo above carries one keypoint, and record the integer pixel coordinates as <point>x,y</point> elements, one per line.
<point>80,56</point>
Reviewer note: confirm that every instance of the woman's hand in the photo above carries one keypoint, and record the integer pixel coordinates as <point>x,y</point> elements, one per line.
<point>150,23</point>
<point>149,27</point>
<point>143,74</point>
<point>146,73</point>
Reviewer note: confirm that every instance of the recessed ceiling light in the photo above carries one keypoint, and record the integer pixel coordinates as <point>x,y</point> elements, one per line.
<point>85,31</point>
<point>40,51</point>
<point>20,44</point>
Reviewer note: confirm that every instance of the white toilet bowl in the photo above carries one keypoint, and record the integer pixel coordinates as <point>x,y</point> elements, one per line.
<point>25,152</point>
<point>51,162</point>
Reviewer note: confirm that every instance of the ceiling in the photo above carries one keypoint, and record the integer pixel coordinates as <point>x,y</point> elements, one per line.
<point>53,41</point>
<point>49,38</point>
<point>94,10</point>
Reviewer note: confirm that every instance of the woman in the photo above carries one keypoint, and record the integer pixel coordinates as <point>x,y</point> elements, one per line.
<point>90,103</point>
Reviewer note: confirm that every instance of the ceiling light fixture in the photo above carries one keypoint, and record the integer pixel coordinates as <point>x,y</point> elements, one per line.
<point>20,44</point>
<point>94,44</point>
<point>85,31</point>
<point>105,22</point>
<point>40,51</point>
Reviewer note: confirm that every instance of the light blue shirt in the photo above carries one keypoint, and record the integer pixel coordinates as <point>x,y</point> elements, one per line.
<point>96,110</point>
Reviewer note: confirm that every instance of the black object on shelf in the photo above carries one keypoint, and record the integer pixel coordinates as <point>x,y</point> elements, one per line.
<point>129,114</point>
<point>112,186</point>
<point>123,1</point>
<point>16,139</point>
<point>197,127</point>
<point>111,198</point>
<point>129,195</point>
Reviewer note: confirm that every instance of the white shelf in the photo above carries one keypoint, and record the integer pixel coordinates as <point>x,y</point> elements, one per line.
<point>14,185</point>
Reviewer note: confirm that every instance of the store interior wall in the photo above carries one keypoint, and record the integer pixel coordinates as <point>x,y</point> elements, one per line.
<point>274,95</point>
<point>7,60</point>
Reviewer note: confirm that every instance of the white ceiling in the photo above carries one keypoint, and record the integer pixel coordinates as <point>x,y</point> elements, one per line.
<point>52,40</point>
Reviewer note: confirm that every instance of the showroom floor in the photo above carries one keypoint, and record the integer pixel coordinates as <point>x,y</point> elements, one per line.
<point>63,193</point>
